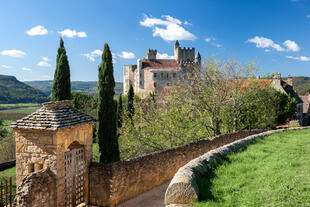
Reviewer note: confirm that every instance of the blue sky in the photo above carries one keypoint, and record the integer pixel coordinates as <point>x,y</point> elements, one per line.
<point>273,33</point>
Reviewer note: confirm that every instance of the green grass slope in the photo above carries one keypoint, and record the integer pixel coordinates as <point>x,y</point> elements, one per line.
<point>272,172</point>
<point>14,91</point>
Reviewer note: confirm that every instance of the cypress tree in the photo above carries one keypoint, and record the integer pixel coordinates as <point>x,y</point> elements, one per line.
<point>119,111</point>
<point>130,107</point>
<point>107,130</point>
<point>61,84</point>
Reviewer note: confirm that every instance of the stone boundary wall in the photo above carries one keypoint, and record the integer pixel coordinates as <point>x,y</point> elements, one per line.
<point>37,190</point>
<point>6,165</point>
<point>183,189</point>
<point>111,184</point>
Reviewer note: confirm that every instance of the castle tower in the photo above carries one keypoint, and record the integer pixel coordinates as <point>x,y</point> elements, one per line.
<point>198,59</point>
<point>177,51</point>
<point>151,54</point>
<point>183,55</point>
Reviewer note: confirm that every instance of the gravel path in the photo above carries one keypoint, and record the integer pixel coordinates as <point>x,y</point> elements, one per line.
<point>152,198</point>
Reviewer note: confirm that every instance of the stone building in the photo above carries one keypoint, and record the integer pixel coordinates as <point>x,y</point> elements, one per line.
<point>286,87</point>
<point>57,138</point>
<point>152,75</point>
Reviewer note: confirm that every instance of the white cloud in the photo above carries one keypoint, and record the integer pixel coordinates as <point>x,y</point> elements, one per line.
<point>127,55</point>
<point>44,62</point>
<point>262,42</point>
<point>301,58</point>
<point>72,33</point>
<point>291,46</point>
<point>14,53</point>
<point>209,39</point>
<point>212,41</point>
<point>170,29</point>
<point>46,59</point>
<point>26,69</point>
<point>96,53</point>
<point>4,66</point>
<point>38,30</point>
<point>187,23</point>
<point>91,56</point>
<point>164,56</point>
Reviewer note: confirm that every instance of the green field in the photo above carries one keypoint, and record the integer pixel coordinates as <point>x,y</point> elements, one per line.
<point>17,111</point>
<point>6,174</point>
<point>272,172</point>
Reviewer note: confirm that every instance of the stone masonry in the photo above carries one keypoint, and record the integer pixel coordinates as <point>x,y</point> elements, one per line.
<point>43,138</point>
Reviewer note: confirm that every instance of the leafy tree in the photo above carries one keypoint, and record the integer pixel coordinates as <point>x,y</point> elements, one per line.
<point>61,84</point>
<point>107,130</point>
<point>119,111</point>
<point>84,102</point>
<point>130,102</point>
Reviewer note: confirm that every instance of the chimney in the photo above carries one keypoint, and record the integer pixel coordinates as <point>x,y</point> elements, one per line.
<point>277,76</point>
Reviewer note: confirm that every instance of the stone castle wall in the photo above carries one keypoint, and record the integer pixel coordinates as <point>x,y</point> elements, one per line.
<point>114,183</point>
<point>129,77</point>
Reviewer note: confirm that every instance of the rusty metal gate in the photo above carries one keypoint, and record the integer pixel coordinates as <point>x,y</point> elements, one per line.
<point>74,177</point>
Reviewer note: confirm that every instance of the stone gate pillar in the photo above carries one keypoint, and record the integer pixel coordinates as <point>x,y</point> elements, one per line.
<point>45,137</point>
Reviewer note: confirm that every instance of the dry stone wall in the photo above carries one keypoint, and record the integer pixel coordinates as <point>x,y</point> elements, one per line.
<point>111,184</point>
<point>37,190</point>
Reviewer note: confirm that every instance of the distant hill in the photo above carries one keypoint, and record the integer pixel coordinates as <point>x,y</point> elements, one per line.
<point>88,87</point>
<point>14,91</point>
<point>301,85</point>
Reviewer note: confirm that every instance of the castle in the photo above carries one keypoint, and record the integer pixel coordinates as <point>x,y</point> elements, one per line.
<point>152,75</point>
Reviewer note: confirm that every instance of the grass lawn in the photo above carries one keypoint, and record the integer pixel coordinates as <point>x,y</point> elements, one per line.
<point>6,174</point>
<point>274,171</point>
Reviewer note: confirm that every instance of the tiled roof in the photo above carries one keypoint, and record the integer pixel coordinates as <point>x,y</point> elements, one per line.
<point>290,90</point>
<point>53,116</point>
<point>160,64</point>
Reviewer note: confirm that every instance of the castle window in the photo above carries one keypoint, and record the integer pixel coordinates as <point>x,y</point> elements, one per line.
<point>174,75</point>
<point>167,75</point>
<point>155,75</point>
<point>162,75</point>
<point>141,83</point>
<point>155,85</point>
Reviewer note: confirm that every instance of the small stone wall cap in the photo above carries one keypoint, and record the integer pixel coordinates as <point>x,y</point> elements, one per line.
<point>53,104</point>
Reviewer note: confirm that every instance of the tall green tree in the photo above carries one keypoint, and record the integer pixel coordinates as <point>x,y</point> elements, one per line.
<point>107,130</point>
<point>130,107</point>
<point>61,84</point>
<point>119,111</point>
